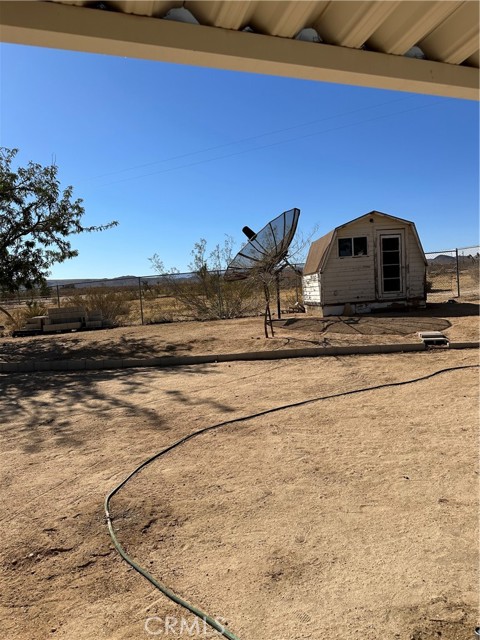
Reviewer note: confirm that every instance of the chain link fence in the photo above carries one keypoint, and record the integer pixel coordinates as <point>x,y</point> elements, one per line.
<point>132,300</point>
<point>453,273</point>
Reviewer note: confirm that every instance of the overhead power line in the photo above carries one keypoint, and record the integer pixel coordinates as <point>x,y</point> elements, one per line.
<point>266,146</point>
<point>248,139</point>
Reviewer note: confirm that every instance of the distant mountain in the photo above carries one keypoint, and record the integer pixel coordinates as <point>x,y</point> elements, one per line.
<point>122,281</point>
<point>62,283</point>
<point>442,259</point>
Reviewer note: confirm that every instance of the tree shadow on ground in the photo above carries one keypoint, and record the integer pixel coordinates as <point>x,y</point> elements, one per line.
<point>180,396</point>
<point>43,409</point>
<point>67,346</point>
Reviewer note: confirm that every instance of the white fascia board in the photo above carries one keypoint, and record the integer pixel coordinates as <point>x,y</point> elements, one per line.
<point>105,32</point>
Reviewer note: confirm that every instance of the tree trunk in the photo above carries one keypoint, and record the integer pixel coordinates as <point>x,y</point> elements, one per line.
<point>7,313</point>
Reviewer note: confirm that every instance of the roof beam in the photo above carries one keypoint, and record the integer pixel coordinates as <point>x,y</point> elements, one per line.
<point>80,29</point>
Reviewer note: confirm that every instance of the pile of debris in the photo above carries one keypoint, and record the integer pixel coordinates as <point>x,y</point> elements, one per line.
<point>66,319</point>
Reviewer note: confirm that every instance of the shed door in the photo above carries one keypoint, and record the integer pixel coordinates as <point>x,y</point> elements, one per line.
<point>391,272</point>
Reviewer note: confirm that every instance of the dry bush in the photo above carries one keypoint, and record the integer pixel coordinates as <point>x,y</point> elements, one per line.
<point>114,305</point>
<point>163,309</point>
<point>290,289</point>
<point>19,316</point>
<point>474,273</point>
<point>203,294</point>
<point>441,279</point>
<point>470,283</point>
<point>290,298</point>
<point>207,296</point>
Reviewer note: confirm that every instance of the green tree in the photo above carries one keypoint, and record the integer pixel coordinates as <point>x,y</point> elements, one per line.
<point>37,219</point>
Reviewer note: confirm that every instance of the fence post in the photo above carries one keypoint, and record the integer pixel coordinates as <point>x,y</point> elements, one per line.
<point>220,296</point>
<point>140,296</point>
<point>277,282</point>
<point>58,297</point>
<point>458,273</point>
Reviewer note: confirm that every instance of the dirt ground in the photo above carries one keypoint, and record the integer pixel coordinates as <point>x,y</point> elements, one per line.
<point>347,518</point>
<point>459,321</point>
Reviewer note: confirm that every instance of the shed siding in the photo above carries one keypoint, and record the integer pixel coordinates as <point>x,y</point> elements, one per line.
<point>354,279</point>
<point>351,279</point>
<point>416,268</point>
<point>311,288</point>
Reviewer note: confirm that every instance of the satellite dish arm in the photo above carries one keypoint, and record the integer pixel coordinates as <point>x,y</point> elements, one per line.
<point>251,235</point>
<point>292,266</point>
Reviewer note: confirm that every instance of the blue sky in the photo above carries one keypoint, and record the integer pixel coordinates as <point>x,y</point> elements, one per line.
<point>176,153</point>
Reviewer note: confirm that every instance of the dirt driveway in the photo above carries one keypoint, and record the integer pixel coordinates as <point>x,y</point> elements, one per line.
<point>348,518</point>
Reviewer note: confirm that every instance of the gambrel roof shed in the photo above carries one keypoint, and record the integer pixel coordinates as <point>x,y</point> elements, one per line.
<point>319,249</point>
<point>372,262</point>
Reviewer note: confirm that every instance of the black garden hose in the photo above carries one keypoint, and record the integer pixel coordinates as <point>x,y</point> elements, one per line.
<point>161,587</point>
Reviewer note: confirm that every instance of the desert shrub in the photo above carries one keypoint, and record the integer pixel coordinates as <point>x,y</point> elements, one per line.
<point>290,300</point>
<point>474,272</point>
<point>19,316</point>
<point>204,294</point>
<point>159,317</point>
<point>154,291</point>
<point>114,305</point>
<point>207,296</point>
<point>290,288</point>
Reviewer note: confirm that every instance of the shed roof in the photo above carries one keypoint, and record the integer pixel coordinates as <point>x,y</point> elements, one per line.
<point>317,252</point>
<point>319,248</point>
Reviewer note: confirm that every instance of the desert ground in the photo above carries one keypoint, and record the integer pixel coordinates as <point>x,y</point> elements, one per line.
<point>458,321</point>
<point>352,517</point>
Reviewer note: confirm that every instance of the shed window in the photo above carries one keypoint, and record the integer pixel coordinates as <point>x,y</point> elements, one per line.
<point>360,246</point>
<point>352,247</point>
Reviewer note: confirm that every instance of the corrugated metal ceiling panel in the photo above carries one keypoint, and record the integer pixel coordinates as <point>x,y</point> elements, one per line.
<point>445,30</point>
<point>350,24</point>
<point>456,38</point>
<point>231,15</point>
<point>409,24</point>
<point>284,19</point>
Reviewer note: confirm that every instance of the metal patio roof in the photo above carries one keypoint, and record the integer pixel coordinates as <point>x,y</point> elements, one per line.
<point>424,46</point>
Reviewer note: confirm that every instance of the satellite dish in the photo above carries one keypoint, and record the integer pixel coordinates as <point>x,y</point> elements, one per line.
<point>265,255</point>
<point>265,251</point>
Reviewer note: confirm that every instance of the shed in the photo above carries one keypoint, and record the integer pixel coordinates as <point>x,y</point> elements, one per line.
<point>373,262</point>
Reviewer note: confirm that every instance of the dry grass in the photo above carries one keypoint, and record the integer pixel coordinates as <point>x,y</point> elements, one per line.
<point>122,306</point>
<point>442,282</point>
<point>20,315</point>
